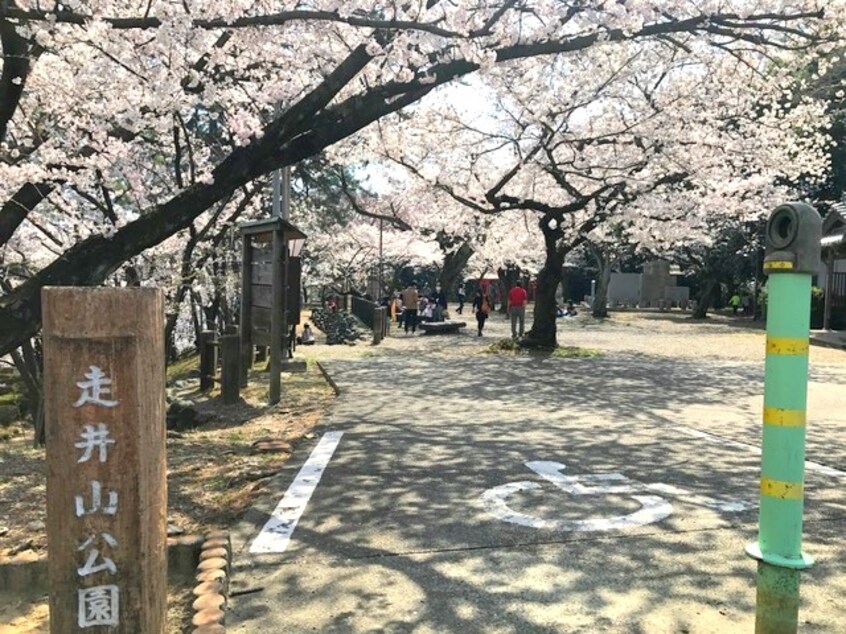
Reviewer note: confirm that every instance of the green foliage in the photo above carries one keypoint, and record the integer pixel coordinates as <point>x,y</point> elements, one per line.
<point>511,347</point>
<point>10,377</point>
<point>503,346</point>
<point>574,352</point>
<point>185,368</point>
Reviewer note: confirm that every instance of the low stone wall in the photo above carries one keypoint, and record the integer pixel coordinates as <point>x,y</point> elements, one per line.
<point>26,573</point>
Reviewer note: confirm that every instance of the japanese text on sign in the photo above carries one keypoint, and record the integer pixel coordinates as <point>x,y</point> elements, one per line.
<point>97,605</point>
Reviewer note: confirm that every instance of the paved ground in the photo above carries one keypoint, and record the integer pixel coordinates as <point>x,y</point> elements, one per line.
<point>411,529</point>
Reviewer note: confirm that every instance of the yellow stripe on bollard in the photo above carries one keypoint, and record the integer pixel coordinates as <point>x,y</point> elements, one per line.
<point>784,417</point>
<point>782,490</point>
<point>778,265</point>
<point>787,345</point>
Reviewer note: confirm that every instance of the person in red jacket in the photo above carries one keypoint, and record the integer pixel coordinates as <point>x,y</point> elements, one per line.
<point>517,299</point>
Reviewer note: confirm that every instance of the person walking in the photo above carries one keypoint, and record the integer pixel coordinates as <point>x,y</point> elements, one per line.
<point>396,309</point>
<point>410,300</point>
<point>482,307</point>
<point>462,293</point>
<point>734,302</point>
<point>517,299</point>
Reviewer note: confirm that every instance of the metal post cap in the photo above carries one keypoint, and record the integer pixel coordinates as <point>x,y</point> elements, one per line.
<point>793,235</point>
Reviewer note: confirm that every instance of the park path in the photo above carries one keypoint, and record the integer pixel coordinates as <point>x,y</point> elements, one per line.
<point>449,503</point>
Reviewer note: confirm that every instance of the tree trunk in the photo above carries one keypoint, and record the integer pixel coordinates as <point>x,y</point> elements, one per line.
<point>705,299</point>
<point>600,302</point>
<point>133,278</point>
<point>171,321</point>
<point>454,263</point>
<point>543,331</point>
<point>604,263</point>
<point>196,320</point>
<point>28,363</point>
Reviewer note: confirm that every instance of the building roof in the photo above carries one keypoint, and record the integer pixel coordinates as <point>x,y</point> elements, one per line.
<point>271,224</point>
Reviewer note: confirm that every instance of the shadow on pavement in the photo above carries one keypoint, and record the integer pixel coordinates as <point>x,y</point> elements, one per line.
<point>396,538</point>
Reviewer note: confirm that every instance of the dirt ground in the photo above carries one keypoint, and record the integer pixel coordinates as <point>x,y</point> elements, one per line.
<point>670,334</point>
<point>213,473</point>
<point>30,615</point>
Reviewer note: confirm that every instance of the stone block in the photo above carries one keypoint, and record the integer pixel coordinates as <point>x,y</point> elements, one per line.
<point>9,414</point>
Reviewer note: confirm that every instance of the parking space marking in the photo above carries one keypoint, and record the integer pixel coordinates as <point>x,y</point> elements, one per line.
<point>277,531</point>
<point>654,508</point>
<point>719,440</point>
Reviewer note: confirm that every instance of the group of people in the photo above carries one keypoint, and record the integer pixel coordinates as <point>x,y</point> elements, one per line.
<point>566,311</point>
<point>515,307</point>
<point>409,303</point>
<point>410,306</point>
<point>738,301</point>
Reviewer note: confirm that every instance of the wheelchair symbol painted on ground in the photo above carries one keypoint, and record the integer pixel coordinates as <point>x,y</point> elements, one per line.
<point>654,506</point>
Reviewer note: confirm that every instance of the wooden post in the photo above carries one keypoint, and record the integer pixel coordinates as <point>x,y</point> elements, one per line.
<point>230,368</point>
<point>246,308</point>
<point>284,326</point>
<point>829,289</point>
<point>386,322</point>
<point>208,360</point>
<point>104,386</point>
<point>276,322</point>
<point>377,326</point>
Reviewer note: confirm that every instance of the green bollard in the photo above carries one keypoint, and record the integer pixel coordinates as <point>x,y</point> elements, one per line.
<point>794,231</point>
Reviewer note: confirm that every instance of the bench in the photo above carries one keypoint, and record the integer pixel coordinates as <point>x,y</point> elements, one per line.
<point>441,327</point>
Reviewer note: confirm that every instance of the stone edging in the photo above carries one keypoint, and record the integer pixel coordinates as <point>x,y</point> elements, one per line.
<point>26,573</point>
<point>329,379</point>
<point>211,594</point>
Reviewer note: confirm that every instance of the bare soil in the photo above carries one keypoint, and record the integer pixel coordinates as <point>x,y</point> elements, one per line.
<point>213,472</point>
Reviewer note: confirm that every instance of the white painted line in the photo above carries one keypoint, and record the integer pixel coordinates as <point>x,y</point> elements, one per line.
<point>276,533</point>
<point>653,508</point>
<point>719,440</point>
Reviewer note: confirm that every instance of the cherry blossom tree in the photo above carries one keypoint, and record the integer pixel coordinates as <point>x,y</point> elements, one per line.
<point>161,111</point>
<point>652,142</point>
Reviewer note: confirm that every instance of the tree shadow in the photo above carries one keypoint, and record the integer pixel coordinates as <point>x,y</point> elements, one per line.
<point>397,537</point>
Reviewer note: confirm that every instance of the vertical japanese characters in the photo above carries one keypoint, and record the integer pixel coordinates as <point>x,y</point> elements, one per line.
<point>99,595</point>
<point>104,423</point>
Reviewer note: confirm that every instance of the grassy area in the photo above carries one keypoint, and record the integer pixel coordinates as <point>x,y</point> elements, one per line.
<point>10,377</point>
<point>574,352</point>
<point>185,368</point>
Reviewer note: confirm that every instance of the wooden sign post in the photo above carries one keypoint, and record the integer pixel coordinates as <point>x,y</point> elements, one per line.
<point>270,294</point>
<point>104,391</point>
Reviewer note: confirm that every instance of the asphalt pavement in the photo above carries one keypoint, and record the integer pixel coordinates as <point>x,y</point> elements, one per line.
<point>484,493</point>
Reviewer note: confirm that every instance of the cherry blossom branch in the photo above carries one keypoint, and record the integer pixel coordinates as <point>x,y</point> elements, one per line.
<point>361,210</point>
<point>17,59</point>
<point>304,130</point>
<point>17,208</point>
<point>271,19</point>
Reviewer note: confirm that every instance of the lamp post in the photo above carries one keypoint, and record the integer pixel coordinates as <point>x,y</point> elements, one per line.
<point>381,264</point>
